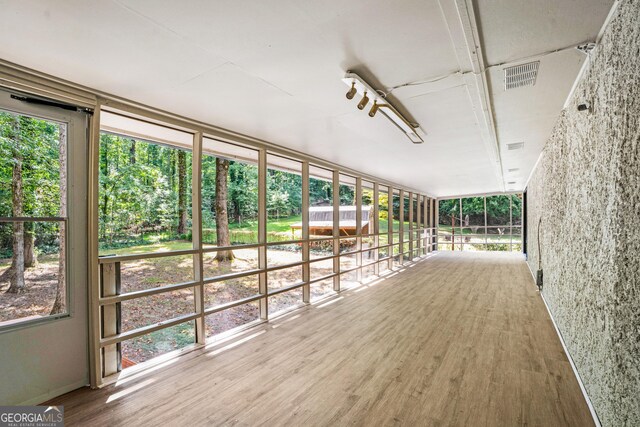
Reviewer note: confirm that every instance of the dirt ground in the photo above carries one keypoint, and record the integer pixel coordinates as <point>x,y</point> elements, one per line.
<point>38,296</point>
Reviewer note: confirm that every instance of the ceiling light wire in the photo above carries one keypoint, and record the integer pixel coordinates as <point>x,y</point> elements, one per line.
<point>489,67</point>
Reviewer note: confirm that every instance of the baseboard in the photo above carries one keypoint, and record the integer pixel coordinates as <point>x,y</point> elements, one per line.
<point>39,400</point>
<point>594,415</point>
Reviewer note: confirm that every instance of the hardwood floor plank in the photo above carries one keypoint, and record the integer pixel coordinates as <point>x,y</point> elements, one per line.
<point>457,339</point>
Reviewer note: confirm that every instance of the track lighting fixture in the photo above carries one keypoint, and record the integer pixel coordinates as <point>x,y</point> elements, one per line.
<point>374,109</point>
<point>358,85</point>
<point>363,103</point>
<point>352,92</point>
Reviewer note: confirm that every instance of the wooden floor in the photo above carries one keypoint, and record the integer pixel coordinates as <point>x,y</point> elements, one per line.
<point>458,339</point>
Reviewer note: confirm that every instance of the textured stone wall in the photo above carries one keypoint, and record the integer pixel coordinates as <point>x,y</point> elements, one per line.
<point>586,190</point>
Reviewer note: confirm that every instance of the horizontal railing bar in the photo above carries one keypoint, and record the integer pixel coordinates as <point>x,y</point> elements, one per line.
<point>321,278</point>
<point>349,270</point>
<point>147,255</point>
<point>353,252</point>
<point>320,239</point>
<point>33,219</point>
<point>282,267</point>
<point>286,288</point>
<point>326,258</point>
<point>370,235</point>
<point>145,293</point>
<point>370,263</point>
<point>448,227</point>
<point>114,339</point>
<point>226,306</point>
<point>230,276</point>
<point>230,248</point>
<point>286,242</point>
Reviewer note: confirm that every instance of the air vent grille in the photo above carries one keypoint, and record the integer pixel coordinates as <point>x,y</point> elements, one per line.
<point>515,146</point>
<point>514,170</point>
<point>521,75</point>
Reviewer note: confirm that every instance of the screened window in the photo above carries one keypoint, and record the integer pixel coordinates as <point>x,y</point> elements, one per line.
<point>33,218</point>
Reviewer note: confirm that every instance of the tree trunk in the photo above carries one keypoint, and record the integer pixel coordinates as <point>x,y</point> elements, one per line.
<point>17,265</point>
<point>132,152</point>
<point>61,289</point>
<point>222,216</point>
<point>104,165</point>
<point>182,192</point>
<point>30,256</point>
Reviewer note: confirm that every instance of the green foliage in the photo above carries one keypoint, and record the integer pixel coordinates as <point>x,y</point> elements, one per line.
<point>37,142</point>
<point>138,189</point>
<point>284,193</point>
<point>347,195</point>
<point>473,210</point>
<point>320,192</point>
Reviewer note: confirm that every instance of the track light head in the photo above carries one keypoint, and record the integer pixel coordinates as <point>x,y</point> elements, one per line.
<point>363,103</point>
<point>374,109</point>
<point>352,92</point>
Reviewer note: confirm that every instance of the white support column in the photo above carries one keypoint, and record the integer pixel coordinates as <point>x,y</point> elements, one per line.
<point>460,224</point>
<point>95,353</point>
<point>390,226</point>
<point>262,233</point>
<point>336,230</point>
<point>196,233</point>
<point>427,238</point>
<point>401,229</point>
<point>429,223</point>
<point>375,219</point>
<point>420,227</point>
<point>306,269</point>
<point>436,220</point>
<point>486,229</point>
<point>510,223</point>
<point>359,228</point>
<point>411,226</point>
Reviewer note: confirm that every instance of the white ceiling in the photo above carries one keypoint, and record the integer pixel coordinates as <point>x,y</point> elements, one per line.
<point>272,70</point>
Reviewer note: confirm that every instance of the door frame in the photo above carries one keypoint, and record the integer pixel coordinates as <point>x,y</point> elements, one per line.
<point>50,356</point>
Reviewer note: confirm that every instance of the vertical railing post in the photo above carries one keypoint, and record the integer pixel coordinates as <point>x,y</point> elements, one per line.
<point>510,223</point>
<point>336,230</point>
<point>401,229</point>
<point>110,282</point>
<point>436,220</point>
<point>428,237</point>
<point>460,224</point>
<point>306,269</point>
<point>196,233</point>
<point>390,226</point>
<point>411,226</point>
<point>359,229</point>
<point>419,227</point>
<point>486,228</point>
<point>375,230</point>
<point>262,233</point>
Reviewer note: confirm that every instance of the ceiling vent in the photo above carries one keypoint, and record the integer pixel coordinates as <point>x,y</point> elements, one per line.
<point>514,170</point>
<point>515,146</point>
<point>511,182</point>
<point>521,75</point>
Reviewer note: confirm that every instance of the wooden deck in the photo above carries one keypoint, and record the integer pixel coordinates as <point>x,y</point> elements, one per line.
<point>457,339</point>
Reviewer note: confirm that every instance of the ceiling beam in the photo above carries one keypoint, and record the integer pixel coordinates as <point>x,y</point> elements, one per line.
<point>463,31</point>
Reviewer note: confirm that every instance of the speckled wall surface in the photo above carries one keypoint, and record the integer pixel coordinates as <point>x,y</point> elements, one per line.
<point>586,189</point>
